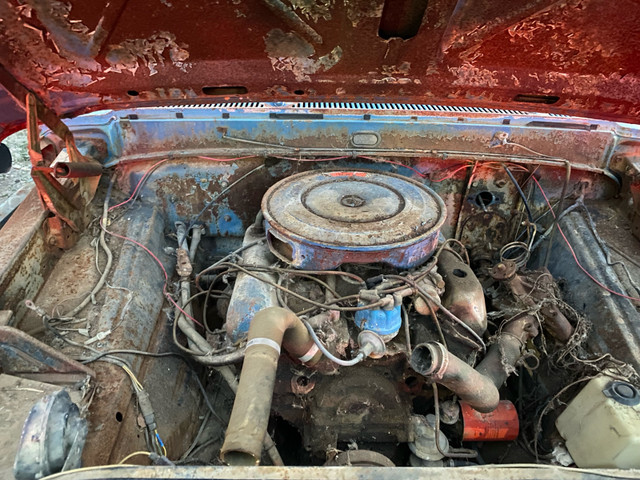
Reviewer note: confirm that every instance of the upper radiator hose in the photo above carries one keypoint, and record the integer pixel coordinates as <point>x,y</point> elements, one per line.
<point>479,387</point>
<point>433,360</point>
<point>270,329</point>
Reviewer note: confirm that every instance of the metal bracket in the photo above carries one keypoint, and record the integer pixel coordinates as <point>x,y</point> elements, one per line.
<point>66,200</point>
<point>24,356</point>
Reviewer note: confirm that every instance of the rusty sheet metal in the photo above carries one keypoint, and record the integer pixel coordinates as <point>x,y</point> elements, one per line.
<point>182,189</point>
<point>24,356</point>
<point>130,310</point>
<point>610,333</point>
<point>633,180</point>
<point>575,57</point>
<point>25,259</point>
<point>237,130</point>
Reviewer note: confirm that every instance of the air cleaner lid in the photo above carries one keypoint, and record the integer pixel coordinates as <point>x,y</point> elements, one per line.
<point>352,210</point>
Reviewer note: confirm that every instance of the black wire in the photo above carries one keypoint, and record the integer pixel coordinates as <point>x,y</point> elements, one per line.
<point>477,339</point>
<point>206,399</point>
<point>434,315</point>
<point>520,192</point>
<point>174,331</point>
<point>182,357</point>
<point>451,452</point>
<point>554,226</point>
<point>232,267</point>
<point>217,295</point>
<point>223,192</point>
<point>276,269</point>
<point>144,180</point>
<point>57,334</point>
<point>175,337</point>
<point>129,352</point>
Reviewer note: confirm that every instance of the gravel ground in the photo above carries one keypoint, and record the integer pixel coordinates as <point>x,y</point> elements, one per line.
<point>20,171</point>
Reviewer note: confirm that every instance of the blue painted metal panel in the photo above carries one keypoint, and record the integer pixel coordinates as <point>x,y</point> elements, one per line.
<point>199,130</point>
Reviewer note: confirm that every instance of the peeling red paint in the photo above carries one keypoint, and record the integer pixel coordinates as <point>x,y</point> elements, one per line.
<point>78,57</point>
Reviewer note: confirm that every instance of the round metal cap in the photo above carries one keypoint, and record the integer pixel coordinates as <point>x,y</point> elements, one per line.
<point>357,211</point>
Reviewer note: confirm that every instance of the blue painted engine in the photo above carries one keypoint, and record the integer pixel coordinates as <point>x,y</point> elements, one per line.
<point>326,220</point>
<point>345,251</point>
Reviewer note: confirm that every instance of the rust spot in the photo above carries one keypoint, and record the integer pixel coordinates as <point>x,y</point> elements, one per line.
<point>290,52</point>
<point>148,52</point>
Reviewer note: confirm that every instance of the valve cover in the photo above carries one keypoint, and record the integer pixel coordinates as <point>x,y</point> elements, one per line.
<point>319,220</point>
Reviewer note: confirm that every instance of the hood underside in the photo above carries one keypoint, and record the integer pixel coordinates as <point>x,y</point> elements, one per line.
<point>575,57</point>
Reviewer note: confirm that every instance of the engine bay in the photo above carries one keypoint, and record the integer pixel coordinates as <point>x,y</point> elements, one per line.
<point>340,312</point>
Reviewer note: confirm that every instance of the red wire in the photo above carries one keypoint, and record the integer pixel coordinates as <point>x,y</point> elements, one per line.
<point>135,190</point>
<point>452,174</point>
<point>377,160</point>
<point>166,277</point>
<point>484,164</point>
<point>420,174</point>
<point>146,174</point>
<point>153,167</point>
<point>573,253</point>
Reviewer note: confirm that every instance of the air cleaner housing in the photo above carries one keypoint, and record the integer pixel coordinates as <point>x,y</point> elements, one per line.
<point>319,220</point>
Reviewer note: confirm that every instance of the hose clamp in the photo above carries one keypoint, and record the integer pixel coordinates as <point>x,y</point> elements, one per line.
<point>263,341</point>
<point>439,360</point>
<point>310,354</point>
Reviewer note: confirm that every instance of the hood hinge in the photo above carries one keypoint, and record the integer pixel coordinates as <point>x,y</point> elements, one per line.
<point>66,186</point>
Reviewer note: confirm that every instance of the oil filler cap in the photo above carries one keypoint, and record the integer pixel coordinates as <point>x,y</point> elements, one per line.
<point>623,392</point>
